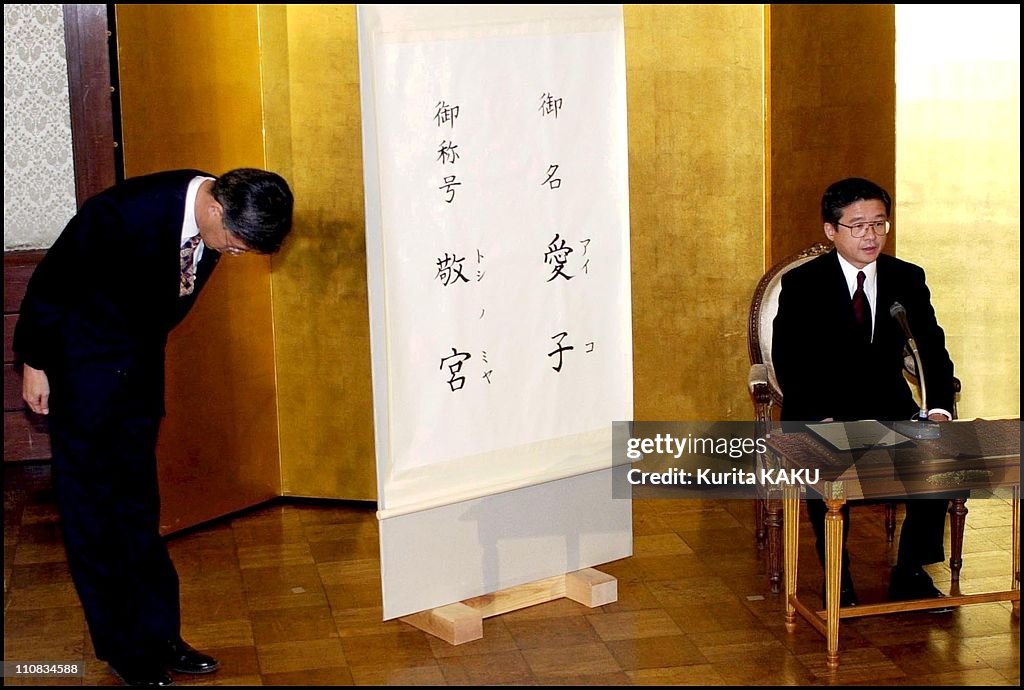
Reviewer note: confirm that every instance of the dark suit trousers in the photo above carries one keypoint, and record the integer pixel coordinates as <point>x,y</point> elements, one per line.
<point>106,488</point>
<point>921,537</point>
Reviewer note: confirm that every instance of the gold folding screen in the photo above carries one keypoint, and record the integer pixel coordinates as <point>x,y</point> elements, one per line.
<point>320,306</point>
<point>832,96</point>
<point>190,98</point>
<point>695,89</point>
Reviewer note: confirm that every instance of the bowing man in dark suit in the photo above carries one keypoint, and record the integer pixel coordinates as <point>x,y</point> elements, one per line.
<point>91,338</point>
<point>838,355</point>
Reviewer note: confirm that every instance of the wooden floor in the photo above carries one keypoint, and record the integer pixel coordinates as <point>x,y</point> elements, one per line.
<point>289,593</point>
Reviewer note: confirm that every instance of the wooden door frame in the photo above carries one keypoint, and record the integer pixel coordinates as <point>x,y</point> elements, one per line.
<point>87,38</point>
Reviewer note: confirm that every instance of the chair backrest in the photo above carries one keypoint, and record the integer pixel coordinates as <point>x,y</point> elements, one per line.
<point>763,308</point>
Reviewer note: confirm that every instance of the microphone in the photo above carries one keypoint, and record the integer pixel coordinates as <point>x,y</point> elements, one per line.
<point>898,312</point>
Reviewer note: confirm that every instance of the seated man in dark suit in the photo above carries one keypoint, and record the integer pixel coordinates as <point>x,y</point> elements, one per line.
<point>839,356</point>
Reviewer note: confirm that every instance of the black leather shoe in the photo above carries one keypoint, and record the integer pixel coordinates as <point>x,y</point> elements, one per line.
<point>911,583</point>
<point>141,673</point>
<point>180,657</point>
<point>847,597</point>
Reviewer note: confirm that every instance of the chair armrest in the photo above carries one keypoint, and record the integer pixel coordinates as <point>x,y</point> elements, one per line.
<point>758,376</point>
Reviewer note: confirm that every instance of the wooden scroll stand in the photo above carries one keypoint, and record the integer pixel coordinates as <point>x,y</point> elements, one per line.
<point>464,621</point>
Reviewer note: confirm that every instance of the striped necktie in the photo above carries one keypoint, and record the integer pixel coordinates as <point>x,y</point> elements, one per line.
<point>188,266</point>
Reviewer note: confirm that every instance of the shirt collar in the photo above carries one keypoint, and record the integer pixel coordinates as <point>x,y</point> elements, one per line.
<point>850,273</point>
<point>189,227</point>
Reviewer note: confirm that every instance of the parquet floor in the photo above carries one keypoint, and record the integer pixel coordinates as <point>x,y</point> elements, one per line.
<point>289,594</point>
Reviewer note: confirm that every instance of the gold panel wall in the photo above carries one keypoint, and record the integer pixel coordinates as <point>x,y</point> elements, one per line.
<point>190,97</point>
<point>320,302</point>
<point>958,186</point>
<point>695,89</point>
<point>832,112</point>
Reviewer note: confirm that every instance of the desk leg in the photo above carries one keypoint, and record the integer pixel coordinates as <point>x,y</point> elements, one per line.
<point>957,519</point>
<point>1015,584</point>
<point>791,531</point>
<point>833,568</point>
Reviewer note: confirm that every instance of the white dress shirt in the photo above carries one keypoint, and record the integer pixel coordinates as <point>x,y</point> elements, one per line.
<point>189,227</point>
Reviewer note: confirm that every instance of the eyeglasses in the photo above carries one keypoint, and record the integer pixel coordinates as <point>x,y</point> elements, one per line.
<point>858,230</point>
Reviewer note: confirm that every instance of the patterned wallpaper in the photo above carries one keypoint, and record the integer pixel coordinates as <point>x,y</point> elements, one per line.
<point>39,173</point>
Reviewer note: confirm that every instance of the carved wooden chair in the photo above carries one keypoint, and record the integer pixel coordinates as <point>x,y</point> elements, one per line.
<point>767,398</point>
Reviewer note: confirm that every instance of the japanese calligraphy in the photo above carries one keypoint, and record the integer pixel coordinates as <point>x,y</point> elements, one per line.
<point>558,254</point>
<point>552,181</point>
<point>487,374</point>
<point>449,186</point>
<point>549,105</point>
<point>455,382</point>
<point>445,114</point>
<point>446,152</point>
<point>560,349</point>
<point>449,270</point>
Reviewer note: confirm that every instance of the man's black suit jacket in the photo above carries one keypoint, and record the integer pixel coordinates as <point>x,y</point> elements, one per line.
<point>100,305</point>
<point>825,369</point>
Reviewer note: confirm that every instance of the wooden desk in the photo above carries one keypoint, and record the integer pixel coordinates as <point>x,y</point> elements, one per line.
<point>967,455</point>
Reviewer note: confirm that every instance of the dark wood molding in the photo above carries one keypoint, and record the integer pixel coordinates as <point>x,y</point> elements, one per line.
<point>25,436</point>
<point>12,389</point>
<point>18,268</point>
<point>89,86</point>
<point>9,322</point>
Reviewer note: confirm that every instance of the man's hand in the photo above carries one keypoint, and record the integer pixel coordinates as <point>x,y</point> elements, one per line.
<point>35,389</point>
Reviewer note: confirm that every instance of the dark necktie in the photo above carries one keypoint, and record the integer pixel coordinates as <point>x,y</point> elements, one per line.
<point>188,266</point>
<point>861,308</point>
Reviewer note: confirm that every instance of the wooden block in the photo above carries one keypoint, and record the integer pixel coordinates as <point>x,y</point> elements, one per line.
<point>519,597</point>
<point>455,623</point>
<point>591,587</point>
<point>463,621</point>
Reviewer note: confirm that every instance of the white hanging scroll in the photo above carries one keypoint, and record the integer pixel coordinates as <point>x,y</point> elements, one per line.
<point>498,248</point>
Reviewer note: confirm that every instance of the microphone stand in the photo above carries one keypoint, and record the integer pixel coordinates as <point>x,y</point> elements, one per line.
<point>920,427</point>
<point>922,415</point>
